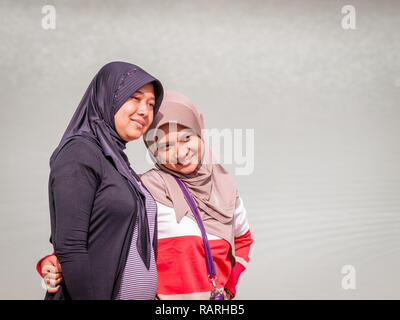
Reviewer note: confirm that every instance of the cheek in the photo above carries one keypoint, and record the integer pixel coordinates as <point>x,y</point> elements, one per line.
<point>195,146</point>
<point>170,156</point>
<point>151,116</point>
<point>149,120</point>
<point>119,122</point>
<point>198,147</point>
<point>162,157</point>
<point>121,118</point>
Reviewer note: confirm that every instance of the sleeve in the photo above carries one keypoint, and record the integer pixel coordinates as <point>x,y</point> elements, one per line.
<point>38,269</point>
<point>243,242</point>
<point>73,187</point>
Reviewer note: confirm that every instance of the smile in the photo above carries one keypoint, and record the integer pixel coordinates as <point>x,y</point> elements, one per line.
<point>187,162</point>
<point>138,123</point>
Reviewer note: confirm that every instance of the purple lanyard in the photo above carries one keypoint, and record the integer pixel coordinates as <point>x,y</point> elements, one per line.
<point>207,250</point>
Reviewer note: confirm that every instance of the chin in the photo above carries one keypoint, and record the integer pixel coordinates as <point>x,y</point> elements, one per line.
<point>133,135</point>
<point>188,170</point>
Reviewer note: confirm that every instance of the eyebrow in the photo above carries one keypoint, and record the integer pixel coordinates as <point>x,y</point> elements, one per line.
<point>141,92</point>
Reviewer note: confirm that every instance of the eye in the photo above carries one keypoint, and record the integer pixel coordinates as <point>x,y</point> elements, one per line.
<point>152,105</point>
<point>163,147</point>
<point>186,137</point>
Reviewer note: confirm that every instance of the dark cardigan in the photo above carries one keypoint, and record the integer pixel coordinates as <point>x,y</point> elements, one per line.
<point>92,213</point>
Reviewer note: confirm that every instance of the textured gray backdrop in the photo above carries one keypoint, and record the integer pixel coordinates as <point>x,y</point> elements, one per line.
<point>323,101</point>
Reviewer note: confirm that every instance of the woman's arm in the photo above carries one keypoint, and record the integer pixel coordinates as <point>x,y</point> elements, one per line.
<point>73,187</point>
<point>243,242</point>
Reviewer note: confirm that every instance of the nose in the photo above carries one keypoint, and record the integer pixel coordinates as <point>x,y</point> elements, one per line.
<point>182,152</point>
<point>143,109</point>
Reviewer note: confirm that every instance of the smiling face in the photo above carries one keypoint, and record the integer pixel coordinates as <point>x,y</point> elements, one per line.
<point>179,148</point>
<point>136,114</point>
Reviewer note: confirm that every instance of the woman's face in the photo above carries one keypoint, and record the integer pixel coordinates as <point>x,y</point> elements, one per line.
<point>179,148</point>
<point>136,114</point>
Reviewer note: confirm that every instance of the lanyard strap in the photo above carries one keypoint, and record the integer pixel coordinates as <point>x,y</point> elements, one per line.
<point>207,250</point>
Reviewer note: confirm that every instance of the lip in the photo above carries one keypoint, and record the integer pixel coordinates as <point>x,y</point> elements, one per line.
<point>187,163</point>
<point>138,123</point>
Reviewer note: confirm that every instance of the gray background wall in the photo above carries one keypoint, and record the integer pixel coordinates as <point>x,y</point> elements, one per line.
<point>323,102</point>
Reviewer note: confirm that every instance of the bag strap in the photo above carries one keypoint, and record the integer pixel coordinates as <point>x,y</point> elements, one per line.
<point>207,250</point>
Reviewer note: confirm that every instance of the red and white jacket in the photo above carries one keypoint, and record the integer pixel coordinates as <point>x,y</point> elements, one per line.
<point>181,266</point>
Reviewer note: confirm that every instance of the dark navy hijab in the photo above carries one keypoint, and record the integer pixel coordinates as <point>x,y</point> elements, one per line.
<point>94,119</point>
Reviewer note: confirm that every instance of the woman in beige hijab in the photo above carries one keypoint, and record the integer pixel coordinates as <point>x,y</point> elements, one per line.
<point>176,145</point>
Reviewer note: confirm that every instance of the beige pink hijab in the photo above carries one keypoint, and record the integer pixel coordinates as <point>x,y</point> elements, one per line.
<point>211,186</point>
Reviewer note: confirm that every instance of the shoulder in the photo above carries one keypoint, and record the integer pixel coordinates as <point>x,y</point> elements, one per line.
<point>79,148</point>
<point>78,156</point>
<point>155,181</point>
<point>151,176</point>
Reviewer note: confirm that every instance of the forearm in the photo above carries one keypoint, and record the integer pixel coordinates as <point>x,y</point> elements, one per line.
<point>234,278</point>
<point>77,275</point>
<point>242,249</point>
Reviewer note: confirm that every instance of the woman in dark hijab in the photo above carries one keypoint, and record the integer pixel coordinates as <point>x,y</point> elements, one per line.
<point>103,219</point>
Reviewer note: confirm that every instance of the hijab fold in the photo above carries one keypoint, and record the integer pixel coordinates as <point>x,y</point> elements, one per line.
<point>94,119</point>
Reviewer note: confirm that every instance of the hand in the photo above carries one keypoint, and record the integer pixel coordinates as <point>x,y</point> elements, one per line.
<point>228,295</point>
<point>52,273</point>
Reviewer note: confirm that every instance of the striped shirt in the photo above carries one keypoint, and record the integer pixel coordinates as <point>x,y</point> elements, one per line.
<point>138,283</point>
